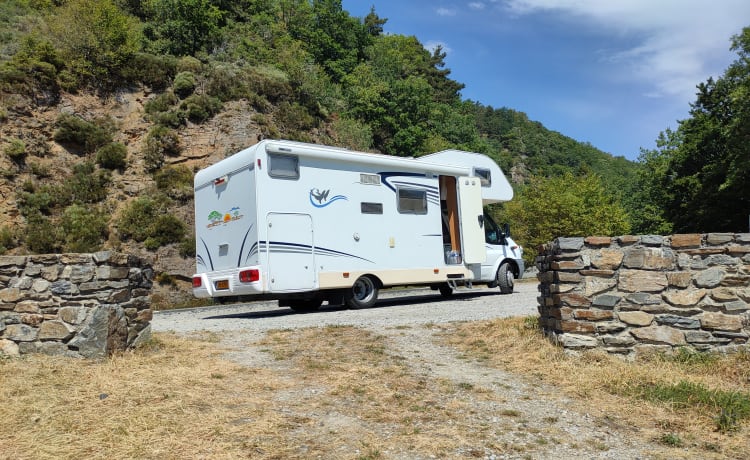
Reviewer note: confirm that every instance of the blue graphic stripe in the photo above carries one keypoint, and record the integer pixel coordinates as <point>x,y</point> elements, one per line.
<point>208,253</point>
<point>281,247</point>
<point>242,248</point>
<point>323,205</point>
<point>253,251</point>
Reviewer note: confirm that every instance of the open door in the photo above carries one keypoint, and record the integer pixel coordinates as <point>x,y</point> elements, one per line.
<point>471,219</point>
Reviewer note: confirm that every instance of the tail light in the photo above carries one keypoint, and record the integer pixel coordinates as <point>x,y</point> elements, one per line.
<point>249,276</point>
<point>197,281</point>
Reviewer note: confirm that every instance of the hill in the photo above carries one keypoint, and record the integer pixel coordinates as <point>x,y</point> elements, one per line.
<point>107,108</point>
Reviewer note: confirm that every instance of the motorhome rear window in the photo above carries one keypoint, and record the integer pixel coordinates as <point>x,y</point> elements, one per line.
<point>283,166</point>
<point>372,208</point>
<point>412,201</point>
<point>484,175</point>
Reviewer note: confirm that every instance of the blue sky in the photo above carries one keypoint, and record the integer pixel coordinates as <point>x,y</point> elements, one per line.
<point>614,73</point>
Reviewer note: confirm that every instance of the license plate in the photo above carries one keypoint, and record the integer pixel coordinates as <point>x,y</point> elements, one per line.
<point>222,284</point>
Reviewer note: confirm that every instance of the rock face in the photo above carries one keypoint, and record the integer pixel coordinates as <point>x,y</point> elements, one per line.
<point>96,304</point>
<point>633,294</point>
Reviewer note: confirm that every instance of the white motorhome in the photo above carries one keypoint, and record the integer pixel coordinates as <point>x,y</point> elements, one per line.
<point>306,223</point>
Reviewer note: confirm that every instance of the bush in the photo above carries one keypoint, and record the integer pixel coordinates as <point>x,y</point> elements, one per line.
<point>175,181</point>
<point>146,220</point>
<point>184,84</point>
<point>8,240</point>
<point>76,131</point>
<point>161,103</point>
<point>112,156</point>
<point>151,70</point>
<point>41,235</point>
<point>160,142</point>
<point>16,151</point>
<point>189,64</point>
<point>86,185</point>
<point>84,227</point>
<point>200,108</point>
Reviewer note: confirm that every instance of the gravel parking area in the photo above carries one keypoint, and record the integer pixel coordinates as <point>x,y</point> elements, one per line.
<point>394,308</point>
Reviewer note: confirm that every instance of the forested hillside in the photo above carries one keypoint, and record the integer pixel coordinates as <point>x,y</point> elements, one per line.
<point>107,107</point>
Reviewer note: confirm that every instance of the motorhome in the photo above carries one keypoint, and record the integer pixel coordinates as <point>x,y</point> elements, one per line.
<point>305,223</point>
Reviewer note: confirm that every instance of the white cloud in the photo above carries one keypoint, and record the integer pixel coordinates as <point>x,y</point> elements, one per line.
<point>432,45</point>
<point>445,12</point>
<point>476,5</point>
<point>680,43</point>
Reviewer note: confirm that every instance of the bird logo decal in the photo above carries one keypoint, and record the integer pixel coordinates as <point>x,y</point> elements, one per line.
<point>322,198</point>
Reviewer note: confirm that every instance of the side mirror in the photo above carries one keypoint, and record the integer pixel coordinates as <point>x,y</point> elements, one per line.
<point>506,229</point>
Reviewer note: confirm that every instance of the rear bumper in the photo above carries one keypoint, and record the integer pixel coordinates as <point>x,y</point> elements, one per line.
<point>226,283</point>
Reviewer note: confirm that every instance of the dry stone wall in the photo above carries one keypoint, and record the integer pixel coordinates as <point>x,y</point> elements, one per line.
<point>639,294</point>
<point>80,305</point>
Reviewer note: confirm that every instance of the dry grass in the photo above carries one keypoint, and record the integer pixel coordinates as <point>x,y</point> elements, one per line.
<point>615,387</point>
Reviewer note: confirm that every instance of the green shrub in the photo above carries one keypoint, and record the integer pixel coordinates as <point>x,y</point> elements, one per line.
<point>39,170</point>
<point>16,151</point>
<point>187,247</point>
<point>31,203</point>
<point>227,83</point>
<point>86,185</point>
<point>175,181</point>
<point>74,130</point>
<point>8,240</point>
<point>295,117</point>
<point>41,235</point>
<point>189,64</point>
<point>200,108</point>
<point>154,71</point>
<point>184,84</point>
<point>84,228</point>
<point>147,220</point>
<point>161,103</point>
<point>161,141</point>
<point>112,156</point>
<point>3,114</point>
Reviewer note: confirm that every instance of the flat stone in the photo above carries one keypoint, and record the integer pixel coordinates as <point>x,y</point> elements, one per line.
<point>40,285</point>
<point>741,336</point>
<point>742,237</point>
<point>61,287</point>
<point>684,298</point>
<point>609,327</point>
<point>649,258</point>
<point>53,349</point>
<point>569,244</point>
<point>642,281</point>
<point>607,259</point>
<point>606,300</point>
<point>82,273</point>
<point>567,277</point>
<point>703,337</point>
<point>598,273</point>
<point>572,300</point>
<point>20,333</point>
<point>558,288</point>
<point>576,326</point>
<point>628,239</point>
<point>73,315</point>
<point>720,321</point>
<point>687,240</point>
<point>51,273</point>
<point>652,240</point>
<point>643,298</point>
<point>678,321</point>
<point>738,250</point>
<point>598,240</point>
<point>563,313</point>
<point>715,239</point>
<point>27,306</point>
<point>145,315</point>
<point>55,330</point>
<point>72,258</point>
<point>12,261</point>
<point>577,341</point>
<point>45,259</point>
<point>702,252</point>
<point>32,319</point>
<point>570,265</point>
<point>594,285</point>
<point>679,279</point>
<point>647,349</point>
<point>710,277</point>
<point>141,338</point>
<point>635,318</point>
<point>659,335</point>
<point>593,314</point>
<point>736,306</point>
<point>33,270</point>
<point>9,348</point>
<point>624,340</point>
<point>102,256</point>
<point>736,280</point>
<point>722,259</point>
<point>724,294</point>
<point>11,295</point>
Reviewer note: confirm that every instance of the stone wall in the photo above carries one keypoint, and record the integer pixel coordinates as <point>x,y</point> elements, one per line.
<point>636,294</point>
<point>81,305</point>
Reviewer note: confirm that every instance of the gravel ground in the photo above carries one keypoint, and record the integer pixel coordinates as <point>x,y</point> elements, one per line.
<point>394,308</point>
<point>542,411</point>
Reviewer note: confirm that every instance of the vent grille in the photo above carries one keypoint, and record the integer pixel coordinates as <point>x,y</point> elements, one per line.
<point>369,179</point>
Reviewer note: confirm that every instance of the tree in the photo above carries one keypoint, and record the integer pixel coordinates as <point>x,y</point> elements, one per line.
<point>565,205</point>
<point>183,27</point>
<point>704,171</point>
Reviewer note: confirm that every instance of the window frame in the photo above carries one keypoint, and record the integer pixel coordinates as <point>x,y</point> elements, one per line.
<point>276,175</point>
<point>399,199</point>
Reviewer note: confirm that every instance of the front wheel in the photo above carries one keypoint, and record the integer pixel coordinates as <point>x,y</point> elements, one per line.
<point>505,278</point>
<point>445,290</point>
<point>363,294</point>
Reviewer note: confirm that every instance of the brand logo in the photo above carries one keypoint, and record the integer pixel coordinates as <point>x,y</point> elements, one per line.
<point>216,218</point>
<point>322,198</point>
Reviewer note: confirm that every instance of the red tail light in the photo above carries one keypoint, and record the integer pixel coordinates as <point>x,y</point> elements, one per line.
<point>249,276</point>
<point>197,282</point>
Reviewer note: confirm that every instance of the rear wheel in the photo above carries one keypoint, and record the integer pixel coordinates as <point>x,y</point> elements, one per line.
<point>363,294</point>
<point>306,305</point>
<point>445,290</point>
<point>505,278</point>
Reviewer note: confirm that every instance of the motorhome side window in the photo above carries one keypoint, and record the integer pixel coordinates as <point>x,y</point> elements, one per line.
<point>283,166</point>
<point>484,175</point>
<point>412,201</point>
<point>371,208</point>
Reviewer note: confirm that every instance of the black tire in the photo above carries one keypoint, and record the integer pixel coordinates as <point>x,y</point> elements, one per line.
<point>363,294</point>
<point>505,278</point>
<point>306,305</point>
<point>445,290</point>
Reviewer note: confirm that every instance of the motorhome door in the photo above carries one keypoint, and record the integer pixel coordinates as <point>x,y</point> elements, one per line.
<point>291,264</point>
<point>472,220</point>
